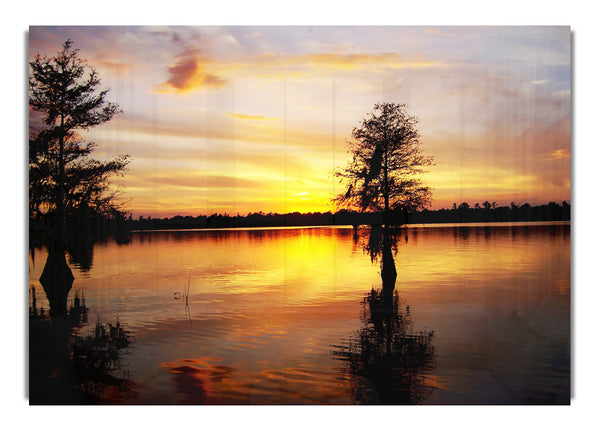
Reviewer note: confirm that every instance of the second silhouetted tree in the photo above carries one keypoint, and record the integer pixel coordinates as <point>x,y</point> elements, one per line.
<point>387,162</point>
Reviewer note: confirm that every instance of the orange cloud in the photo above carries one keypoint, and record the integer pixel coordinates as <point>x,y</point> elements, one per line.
<point>188,74</point>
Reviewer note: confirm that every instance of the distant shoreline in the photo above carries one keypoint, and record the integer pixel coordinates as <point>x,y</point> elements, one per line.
<point>405,226</point>
<point>461,214</point>
<point>82,226</point>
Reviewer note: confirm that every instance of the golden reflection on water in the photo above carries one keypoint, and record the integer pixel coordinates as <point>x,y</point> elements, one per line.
<point>266,305</point>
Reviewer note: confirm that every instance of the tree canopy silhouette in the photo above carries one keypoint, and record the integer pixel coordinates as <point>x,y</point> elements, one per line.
<point>64,181</point>
<point>387,160</point>
<point>63,94</point>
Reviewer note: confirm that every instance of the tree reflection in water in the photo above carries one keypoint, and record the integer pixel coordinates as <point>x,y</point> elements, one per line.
<point>68,368</point>
<point>386,361</point>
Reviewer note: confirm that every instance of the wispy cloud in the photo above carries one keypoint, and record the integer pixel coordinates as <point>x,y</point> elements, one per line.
<point>116,67</point>
<point>190,70</point>
<point>356,60</point>
<point>390,59</point>
<point>216,127</point>
<point>250,117</point>
<point>561,153</point>
<point>180,179</point>
<point>438,32</point>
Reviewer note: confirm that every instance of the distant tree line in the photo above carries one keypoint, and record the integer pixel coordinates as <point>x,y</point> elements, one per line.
<point>490,212</point>
<point>463,213</point>
<point>85,227</point>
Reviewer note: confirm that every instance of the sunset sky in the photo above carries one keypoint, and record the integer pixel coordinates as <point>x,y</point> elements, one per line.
<point>244,119</point>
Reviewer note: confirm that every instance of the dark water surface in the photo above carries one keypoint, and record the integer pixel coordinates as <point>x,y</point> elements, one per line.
<point>480,315</point>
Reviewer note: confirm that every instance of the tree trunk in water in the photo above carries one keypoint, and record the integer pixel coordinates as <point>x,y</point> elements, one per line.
<point>388,269</point>
<point>57,280</point>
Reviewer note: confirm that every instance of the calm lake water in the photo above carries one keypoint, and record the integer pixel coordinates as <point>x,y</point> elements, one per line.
<point>481,315</point>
